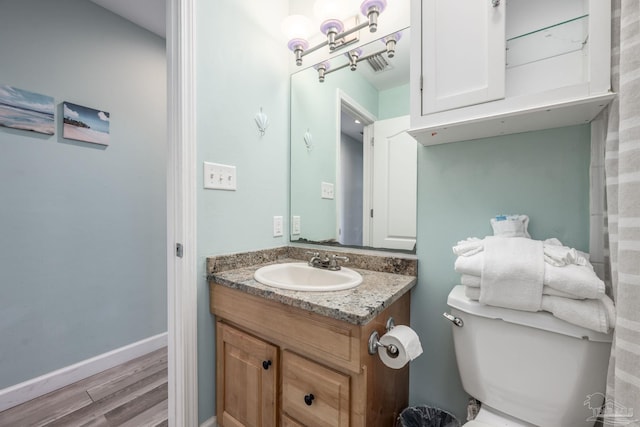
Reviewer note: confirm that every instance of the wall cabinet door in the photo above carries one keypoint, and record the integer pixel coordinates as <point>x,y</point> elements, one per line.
<point>247,376</point>
<point>484,68</point>
<point>463,53</point>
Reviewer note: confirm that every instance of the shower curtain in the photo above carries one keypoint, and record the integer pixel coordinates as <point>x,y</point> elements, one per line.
<point>622,170</point>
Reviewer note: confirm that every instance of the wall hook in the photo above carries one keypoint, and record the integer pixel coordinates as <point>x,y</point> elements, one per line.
<point>308,140</point>
<point>262,121</point>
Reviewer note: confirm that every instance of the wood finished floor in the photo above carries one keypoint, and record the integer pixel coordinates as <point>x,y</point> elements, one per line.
<point>133,394</point>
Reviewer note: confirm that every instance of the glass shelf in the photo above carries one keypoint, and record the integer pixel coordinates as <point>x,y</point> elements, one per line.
<point>558,39</point>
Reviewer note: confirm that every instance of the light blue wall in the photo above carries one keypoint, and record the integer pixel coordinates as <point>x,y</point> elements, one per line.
<point>314,107</point>
<point>461,185</point>
<point>393,102</point>
<point>242,65</point>
<point>82,226</point>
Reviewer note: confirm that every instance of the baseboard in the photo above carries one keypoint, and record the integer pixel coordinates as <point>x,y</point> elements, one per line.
<point>25,391</point>
<point>211,422</point>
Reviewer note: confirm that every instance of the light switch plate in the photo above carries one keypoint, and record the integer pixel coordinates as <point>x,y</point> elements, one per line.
<point>295,225</point>
<point>326,190</point>
<point>219,177</point>
<point>277,226</point>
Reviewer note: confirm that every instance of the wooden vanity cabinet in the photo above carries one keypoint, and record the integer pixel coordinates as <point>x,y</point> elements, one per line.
<point>250,375</point>
<point>320,374</point>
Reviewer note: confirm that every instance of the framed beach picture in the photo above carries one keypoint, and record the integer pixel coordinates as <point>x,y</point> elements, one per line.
<point>85,124</point>
<point>21,109</point>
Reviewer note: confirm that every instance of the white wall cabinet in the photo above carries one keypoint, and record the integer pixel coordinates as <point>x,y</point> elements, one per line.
<point>491,67</point>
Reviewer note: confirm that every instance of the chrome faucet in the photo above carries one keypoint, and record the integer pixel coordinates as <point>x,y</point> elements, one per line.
<point>327,263</point>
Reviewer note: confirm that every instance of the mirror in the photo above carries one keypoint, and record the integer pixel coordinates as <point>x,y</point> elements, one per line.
<point>346,190</point>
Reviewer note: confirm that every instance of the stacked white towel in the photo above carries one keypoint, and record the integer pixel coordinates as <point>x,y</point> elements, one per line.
<point>557,279</point>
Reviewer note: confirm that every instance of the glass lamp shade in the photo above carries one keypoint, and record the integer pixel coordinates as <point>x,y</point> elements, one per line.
<point>366,5</point>
<point>331,9</point>
<point>296,27</point>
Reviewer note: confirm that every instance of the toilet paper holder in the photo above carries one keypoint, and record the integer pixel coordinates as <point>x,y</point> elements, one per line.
<point>374,342</point>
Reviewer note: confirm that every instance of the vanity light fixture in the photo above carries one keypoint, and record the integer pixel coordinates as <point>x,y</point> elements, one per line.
<point>322,69</point>
<point>332,14</point>
<point>353,56</point>
<point>375,59</point>
<point>390,42</point>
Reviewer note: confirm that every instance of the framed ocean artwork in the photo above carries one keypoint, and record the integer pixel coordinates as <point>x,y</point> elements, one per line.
<point>24,110</point>
<point>85,124</point>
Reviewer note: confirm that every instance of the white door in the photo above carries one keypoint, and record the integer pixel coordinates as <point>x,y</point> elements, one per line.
<point>463,53</point>
<point>393,223</point>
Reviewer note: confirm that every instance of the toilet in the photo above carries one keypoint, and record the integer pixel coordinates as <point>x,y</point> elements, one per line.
<point>527,369</point>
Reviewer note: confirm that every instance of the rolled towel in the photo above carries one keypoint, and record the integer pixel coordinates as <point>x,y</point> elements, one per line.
<point>578,280</point>
<point>512,273</point>
<point>474,282</point>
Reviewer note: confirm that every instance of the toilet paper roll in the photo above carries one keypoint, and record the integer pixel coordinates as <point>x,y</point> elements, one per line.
<point>406,341</point>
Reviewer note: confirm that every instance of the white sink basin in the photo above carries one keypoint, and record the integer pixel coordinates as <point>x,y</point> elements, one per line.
<point>298,276</point>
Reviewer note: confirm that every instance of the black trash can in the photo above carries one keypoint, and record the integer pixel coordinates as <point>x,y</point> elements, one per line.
<point>426,416</point>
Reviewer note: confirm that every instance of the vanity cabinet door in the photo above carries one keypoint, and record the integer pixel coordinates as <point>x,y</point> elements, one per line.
<point>463,53</point>
<point>247,379</point>
<point>314,395</point>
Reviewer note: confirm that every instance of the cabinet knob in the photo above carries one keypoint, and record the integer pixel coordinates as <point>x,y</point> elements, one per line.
<point>308,399</point>
<point>495,3</point>
<point>266,364</point>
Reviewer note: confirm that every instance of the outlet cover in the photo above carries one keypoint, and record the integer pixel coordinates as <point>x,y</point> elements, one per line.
<point>219,177</point>
<point>326,190</point>
<point>295,225</point>
<point>277,226</point>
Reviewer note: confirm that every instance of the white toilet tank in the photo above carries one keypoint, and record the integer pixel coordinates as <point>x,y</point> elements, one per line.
<point>531,366</point>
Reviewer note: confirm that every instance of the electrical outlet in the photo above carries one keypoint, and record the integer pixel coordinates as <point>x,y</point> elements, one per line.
<point>219,177</point>
<point>295,225</point>
<point>326,190</point>
<point>277,226</point>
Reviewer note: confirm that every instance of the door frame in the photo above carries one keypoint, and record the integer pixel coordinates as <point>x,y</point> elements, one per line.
<point>182,280</point>
<point>344,101</point>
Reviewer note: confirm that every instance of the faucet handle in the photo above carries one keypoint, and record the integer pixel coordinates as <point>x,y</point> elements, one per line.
<point>313,254</point>
<point>333,262</point>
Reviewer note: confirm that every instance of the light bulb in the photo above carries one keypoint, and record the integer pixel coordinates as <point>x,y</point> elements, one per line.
<point>296,27</point>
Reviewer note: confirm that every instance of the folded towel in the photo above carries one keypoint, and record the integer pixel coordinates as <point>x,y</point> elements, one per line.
<point>512,273</point>
<point>468,247</point>
<point>474,282</point>
<point>555,253</point>
<point>578,280</point>
<point>595,314</point>
<point>575,280</point>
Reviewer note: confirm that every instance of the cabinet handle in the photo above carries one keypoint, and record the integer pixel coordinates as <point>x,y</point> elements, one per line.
<point>495,3</point>
<point>308,399</point>
<point>266,364</point>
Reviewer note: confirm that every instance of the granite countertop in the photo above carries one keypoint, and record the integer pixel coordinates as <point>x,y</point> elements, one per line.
<point>358,306</point>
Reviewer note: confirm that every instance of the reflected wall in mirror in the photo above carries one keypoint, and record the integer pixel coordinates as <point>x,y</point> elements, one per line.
<point>353,166</point>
